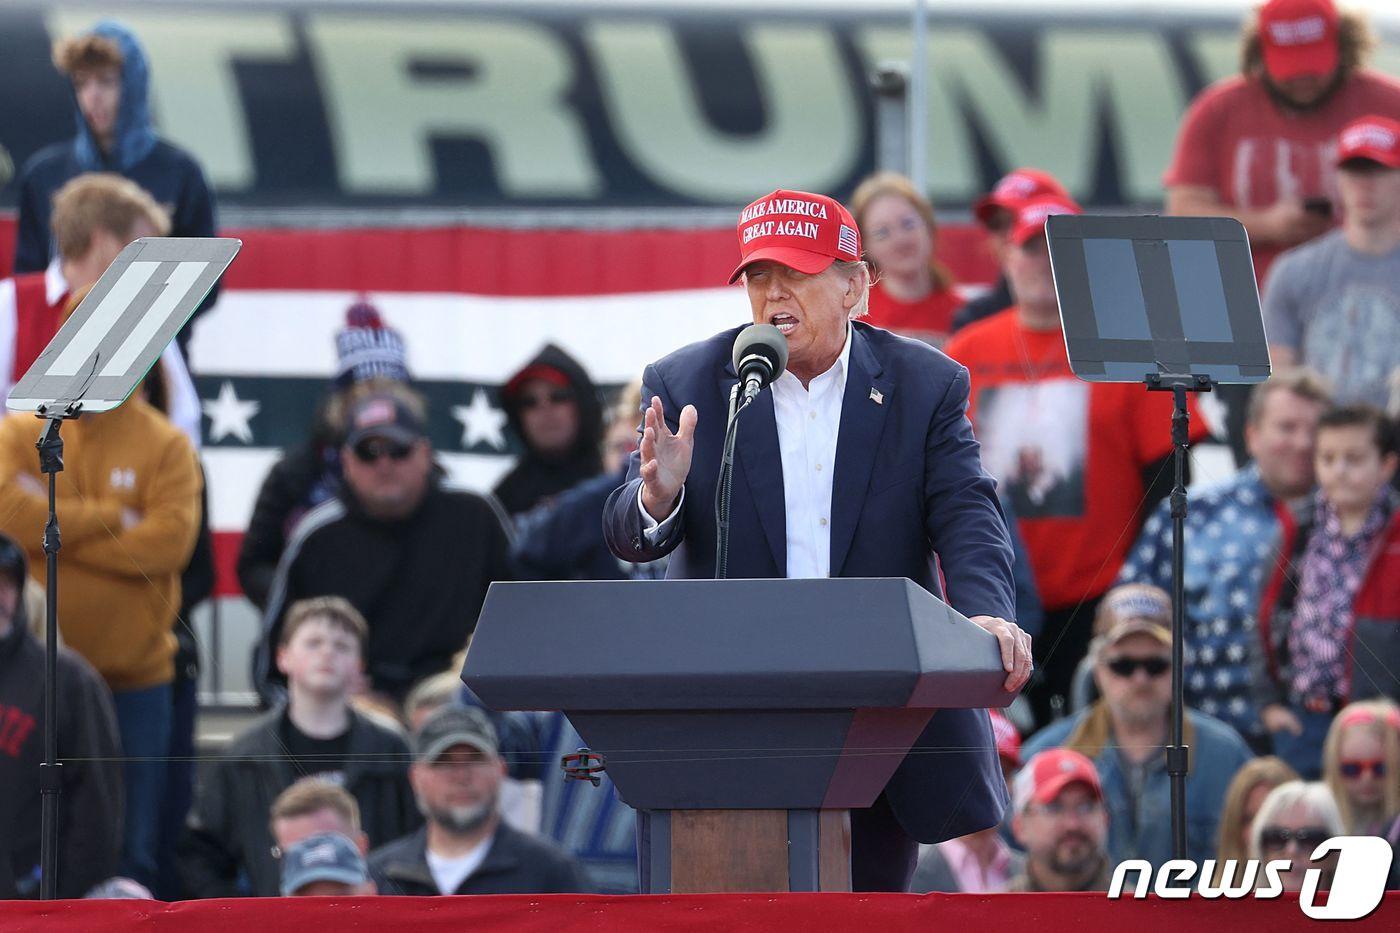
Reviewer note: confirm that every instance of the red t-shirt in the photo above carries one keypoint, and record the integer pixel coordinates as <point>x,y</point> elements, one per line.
<point>1067,454</point>
<point>1236,141</point>
<point>929,319</point>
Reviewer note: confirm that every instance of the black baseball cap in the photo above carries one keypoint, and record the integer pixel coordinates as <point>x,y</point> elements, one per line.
<point>385,416</point>
<point>452,725</point>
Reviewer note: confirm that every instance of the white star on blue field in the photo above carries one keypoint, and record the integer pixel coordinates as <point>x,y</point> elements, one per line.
<point>228,414</point>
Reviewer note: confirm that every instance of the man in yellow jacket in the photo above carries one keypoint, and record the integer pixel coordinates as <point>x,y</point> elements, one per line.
<point>128,509</point>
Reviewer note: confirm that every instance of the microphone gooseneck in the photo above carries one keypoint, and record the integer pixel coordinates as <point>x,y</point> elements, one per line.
<point>760,356</point>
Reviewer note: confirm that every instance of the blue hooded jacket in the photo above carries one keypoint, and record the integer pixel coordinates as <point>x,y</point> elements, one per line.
<point>133,135</point>
<point>171,176</point>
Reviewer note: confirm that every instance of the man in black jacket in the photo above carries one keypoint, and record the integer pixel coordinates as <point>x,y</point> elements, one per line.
<point>90,805</point>
<point>414,558</point>
<point>228,849</point>
<point>465,848</point>
<point>369,354</point>
<point>554,409</point>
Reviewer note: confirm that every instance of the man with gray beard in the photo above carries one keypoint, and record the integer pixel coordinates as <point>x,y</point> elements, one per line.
<point>465,848</point>
<point>1125,733</point>
<point>1061,822</point>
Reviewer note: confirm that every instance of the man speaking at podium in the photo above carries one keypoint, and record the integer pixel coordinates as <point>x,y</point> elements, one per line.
<point>859,462</point>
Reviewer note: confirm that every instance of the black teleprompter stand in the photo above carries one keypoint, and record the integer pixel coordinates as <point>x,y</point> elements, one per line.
<point>1178,754</point>
<point>50,776</point>
<point>108,344</point>
<point>1170,301</point>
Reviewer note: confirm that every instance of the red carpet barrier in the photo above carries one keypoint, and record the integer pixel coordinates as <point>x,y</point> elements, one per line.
<point>712,913</point>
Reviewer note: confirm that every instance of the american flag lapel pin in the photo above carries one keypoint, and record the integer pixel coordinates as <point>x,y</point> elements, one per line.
<point>877,396</point>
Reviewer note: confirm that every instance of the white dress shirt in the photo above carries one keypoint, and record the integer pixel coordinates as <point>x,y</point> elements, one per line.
<point>809,419</point>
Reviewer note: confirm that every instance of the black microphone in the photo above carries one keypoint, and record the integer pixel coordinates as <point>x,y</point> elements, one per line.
<point>760,356</point>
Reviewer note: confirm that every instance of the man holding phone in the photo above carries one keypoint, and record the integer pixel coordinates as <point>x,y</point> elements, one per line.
<point>1334,304</point>
<point>1259,146</point>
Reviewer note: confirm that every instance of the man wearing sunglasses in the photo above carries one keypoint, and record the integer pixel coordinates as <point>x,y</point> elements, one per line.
<point>414,557</point>
<point>1126,730</point>
<point>553,407</point>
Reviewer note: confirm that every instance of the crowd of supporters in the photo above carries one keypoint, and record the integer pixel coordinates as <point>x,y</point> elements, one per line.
<point>372,769</point>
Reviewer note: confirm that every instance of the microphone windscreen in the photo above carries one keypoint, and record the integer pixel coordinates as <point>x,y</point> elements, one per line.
<point>763,340</point>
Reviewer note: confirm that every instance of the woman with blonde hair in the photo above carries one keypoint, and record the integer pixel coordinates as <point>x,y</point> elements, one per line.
<point>1245,795</point>
<point>1361,764</point>
<point>913,293</point>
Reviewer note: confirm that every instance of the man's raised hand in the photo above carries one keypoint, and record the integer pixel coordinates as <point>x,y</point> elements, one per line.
<point>665,458</point>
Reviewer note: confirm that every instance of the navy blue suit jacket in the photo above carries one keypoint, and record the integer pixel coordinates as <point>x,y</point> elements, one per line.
<point>908,483</point>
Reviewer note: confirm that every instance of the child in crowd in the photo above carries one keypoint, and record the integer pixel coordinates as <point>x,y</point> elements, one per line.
<point>228,849</point>
<point>1327,623</point>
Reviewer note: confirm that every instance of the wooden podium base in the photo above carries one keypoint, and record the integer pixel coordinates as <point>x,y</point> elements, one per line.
<point>732,851</point>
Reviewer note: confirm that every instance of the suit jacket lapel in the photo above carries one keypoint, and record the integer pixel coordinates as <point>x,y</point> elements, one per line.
<point>858,439</point>
<point>759,463</point>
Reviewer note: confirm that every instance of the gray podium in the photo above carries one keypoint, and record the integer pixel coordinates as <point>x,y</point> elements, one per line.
<point>742,719</point>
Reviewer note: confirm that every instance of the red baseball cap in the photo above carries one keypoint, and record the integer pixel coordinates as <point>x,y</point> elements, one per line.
<point>1050,772</point>
<point>1376,139</point>
<point>1299,37</point>
<point>1029,221</point>
<point>1014,189</point>
<point>541,371</point>
<point>1007,738</point>
<point>804,231</point>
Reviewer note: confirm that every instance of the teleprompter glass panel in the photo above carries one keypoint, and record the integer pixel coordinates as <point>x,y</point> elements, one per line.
<point>1119,310</point>
<point>109,343</point>
<point>1200,293</point>
<point>1155,296</point>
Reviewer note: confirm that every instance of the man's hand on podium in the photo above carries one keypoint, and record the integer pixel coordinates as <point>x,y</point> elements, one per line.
<point>665,458</point>
<point>1015,650</point>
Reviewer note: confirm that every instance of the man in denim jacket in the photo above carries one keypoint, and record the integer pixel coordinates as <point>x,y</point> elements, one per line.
<point>1126,731</point>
